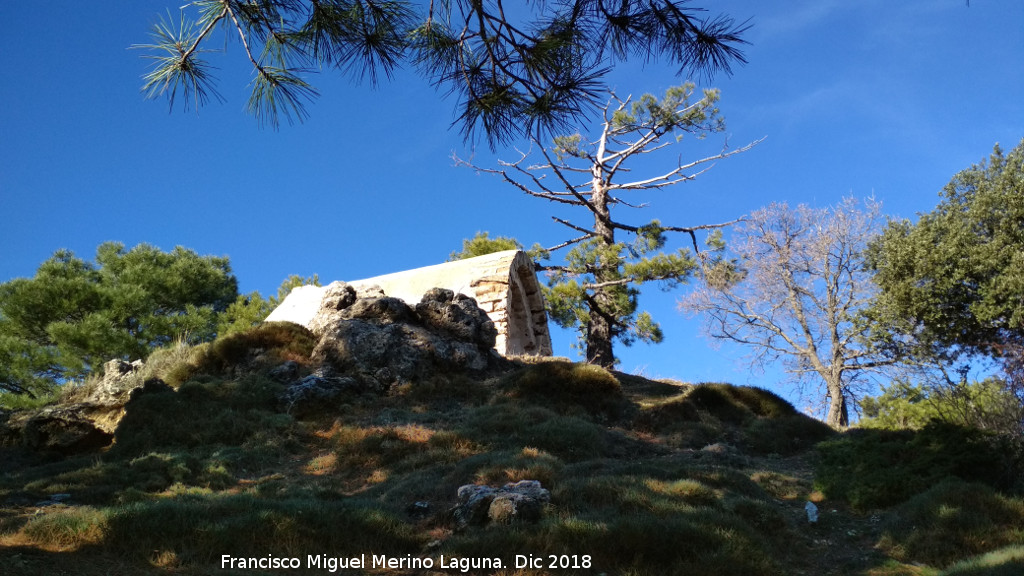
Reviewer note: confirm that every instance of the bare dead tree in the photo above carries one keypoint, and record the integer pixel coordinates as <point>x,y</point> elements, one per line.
<point>794,292</point>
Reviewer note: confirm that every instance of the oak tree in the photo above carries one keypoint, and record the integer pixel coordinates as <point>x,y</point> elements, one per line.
<point>791,286</point>
<point>952,283</point>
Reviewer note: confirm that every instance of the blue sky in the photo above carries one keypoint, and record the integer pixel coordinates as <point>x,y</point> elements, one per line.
<point>858,98</point>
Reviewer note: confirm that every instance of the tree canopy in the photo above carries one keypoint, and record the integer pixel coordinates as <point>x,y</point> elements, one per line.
<point>73,315</point>
<point>513,69</point>
<point>596,290</point>
<point>953,282</point>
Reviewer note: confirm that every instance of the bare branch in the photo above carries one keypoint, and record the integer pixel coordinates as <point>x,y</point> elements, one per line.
<point>589,233</point>
<point>570,242</point>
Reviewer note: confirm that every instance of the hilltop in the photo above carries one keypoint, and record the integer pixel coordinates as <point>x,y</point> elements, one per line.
<point>643,477</point>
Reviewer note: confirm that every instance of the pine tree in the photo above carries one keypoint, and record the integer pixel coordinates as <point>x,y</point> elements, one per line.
<point>74,315</point>
<point>596,290</point>
<point>515,70</point>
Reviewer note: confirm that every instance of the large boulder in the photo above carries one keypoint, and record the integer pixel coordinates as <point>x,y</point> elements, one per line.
<point>382,341</point>
<point>66,428</point>
<point>513,503</point>
<point>456,315</point>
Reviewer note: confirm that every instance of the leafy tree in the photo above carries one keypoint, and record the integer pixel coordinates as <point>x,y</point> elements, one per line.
<point>793,289</point>
<point>513,69</point>
<point>952,282</point>
<point>249,310</point>
<point>74,315</point>
<point>596,290</point>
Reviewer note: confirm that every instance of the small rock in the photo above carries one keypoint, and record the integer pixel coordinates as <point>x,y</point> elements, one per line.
<point>718,448</point>
<point>418,509</point>
<point>286,372</point>
<point>315,392</point>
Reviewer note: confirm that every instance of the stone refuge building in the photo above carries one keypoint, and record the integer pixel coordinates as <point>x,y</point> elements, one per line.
<point>504,285</point>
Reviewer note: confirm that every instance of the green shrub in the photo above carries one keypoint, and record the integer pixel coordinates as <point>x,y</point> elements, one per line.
<point>763,403</point>
<point>723,403</point>
<point>281,340</point>
<point>269,343</point>
<point>526,464</point>
<point>446,392</point>
<point>737,404</point>
<point>718,401</point>
<point>67,529</point>
<point>201,528</point>
<point>785,435</point>
<point>642,544</point>
<point>781,486</point>
<point>667,416</point>
<point>873,468</point>
<point>763,516</point>
<point>951,521</point>
<point>708,413</point>
<point>513,425</point>
<point>568,387</point>
<point>200,413</point>
<point>13,402</point>
<point>401,448</point>
<point>1007,561</point>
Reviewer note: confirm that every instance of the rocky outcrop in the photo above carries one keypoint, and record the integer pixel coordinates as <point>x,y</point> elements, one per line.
<point>517,502</point>
<point>71,428</point>
<point>381,341</point>
<point>117,384</point>
<point>316,392</point>
<point>87,422</point>
<point>367,341</point>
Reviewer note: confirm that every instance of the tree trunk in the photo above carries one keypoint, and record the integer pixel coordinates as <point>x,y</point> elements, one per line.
<point>838,415</point>
<point>600,304</point>
<point>599,341</point>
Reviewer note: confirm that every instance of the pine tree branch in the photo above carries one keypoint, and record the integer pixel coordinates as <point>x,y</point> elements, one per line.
<point>242,36</point>
<point>570,242</point>
<point>545,193</point>
<point>565,182</point>
<point>669,178</point>
<point>202,34</point>
<point>589,233</point>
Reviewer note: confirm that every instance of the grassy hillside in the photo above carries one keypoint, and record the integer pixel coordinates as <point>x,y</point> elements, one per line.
<point>646,478</point>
